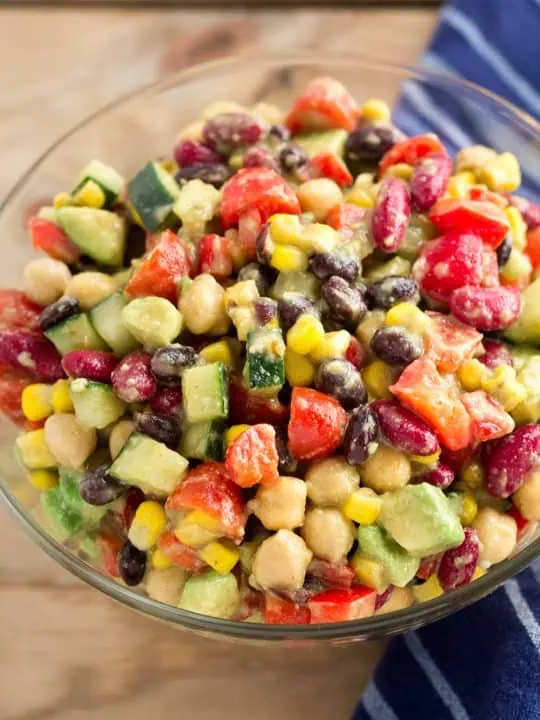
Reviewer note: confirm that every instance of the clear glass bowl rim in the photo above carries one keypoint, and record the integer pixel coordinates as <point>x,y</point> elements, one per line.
<point>374,626</point>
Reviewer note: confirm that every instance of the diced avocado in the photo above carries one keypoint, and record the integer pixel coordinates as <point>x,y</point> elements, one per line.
<point>106,177</point>
<point>203,440</point>
<point>521,354</point>
<point>264,370</point>
<point>95,403</point>
<point>106,317</point>
<point>528,411</point>
<point>149,464</point>
<point>377,545</point>
<point>152,193</point>
<point>33,451</point>
<point>421,519</point>
<point>65,520</point>
<point>205,392</point>
<point>211,594</point>
<point>301,283</point>
<point>395,266</point>
<point>98,233</point>
<point>75,333</point>
<point>70,481</point>
<point>153,321</point>
<point>196,205</point>
<point>324,141</point>
<point>526,329</point>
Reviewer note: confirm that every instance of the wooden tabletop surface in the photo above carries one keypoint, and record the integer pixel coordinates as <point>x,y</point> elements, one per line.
<point>66,651</point>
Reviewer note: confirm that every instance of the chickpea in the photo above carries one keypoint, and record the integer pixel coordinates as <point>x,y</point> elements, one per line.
<point>330,482</point>
<point>166,585</point>
<point>201,304</point>
<point>386,470</point>
<point>319,196</point>
<point>527,498</point>
<point>69,442</point>
<point>497,533</point>
<point>90,288</point>
<point>281,562</point>
<point>119,434</point>
<point>328,533</point>
<point>282,505</point>
<point>400,599</point>
<point>474,158</point>
<point>45,280</point>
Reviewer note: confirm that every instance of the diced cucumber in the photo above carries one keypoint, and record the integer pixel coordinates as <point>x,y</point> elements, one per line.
<point>106,317</point>
<point>98,233</point>
<point>153,321</point>
<point>301,283</point>
<point>111,182</point>
<point>395,266</point>
<point>264,370</point>
<point>152,194</point>
<point>203,440</point>
<point>211,594</point>
<point>205,392</point>
<point>48,213</point>
<point>75,333</point>
<point>95,403</point>
<point>149,464</point>
<point>323,141</point>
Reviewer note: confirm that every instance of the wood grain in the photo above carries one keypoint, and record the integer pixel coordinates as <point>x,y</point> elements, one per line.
<point>67,652</point>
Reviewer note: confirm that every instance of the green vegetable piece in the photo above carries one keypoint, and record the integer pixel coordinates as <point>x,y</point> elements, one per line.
<point>265,361</point>
<point>395,266</point>
<point>75,333</point>
<point>98,233</point>
<point>153,321</point>
<point>526,329</point>
<point>111,182</point>
<point>196,205</point>
<point>203,440</point>
<point>65,520</point>
<point>106,317</point>
<point>301,283</point>
<point>152,194</point>
<point>205,392</point>
<point>326,141</point>
<point>211,594</point>
<point>375,544</point>
<point>96,405</point>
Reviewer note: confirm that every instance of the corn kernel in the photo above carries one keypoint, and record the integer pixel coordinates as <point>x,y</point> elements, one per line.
<point>403,171</point>
<point>428,460</point>
<point>503,385</point>
<point>204,520</point>
<point>478,573</point>
<point>318,238</point>
<point>241,294</point>
<point>34,451</point>
<point>472,374</point>
<point>299,370</point>
<point>285,229</point>
<point>363,506</point>
<point>472,474</point>
<point>460,184</point>
<point>333,345</point>
<point>429,590</point>
<point>376,110</point>
<point>469,508</point>
<point>222,558</point>
<point>194,535</point>
<point>148,524</point>
<point>518,227</point>
<point>408,316</point>
<point>159,560</point>
<point>61,399</point>
<point>219,352</point>
<point>369,572</point>
<point>378,376</point>
<point>361,198</point>
<point>233,432</point>
<point>90,195</point>
<point>61,200</point>
<point>501,174</point>
<point>169,165</point>
<point>43,479</point>
<point>517,266</point>
<point>288,258</point>
<point>305,335</point>
<point>36,401</point>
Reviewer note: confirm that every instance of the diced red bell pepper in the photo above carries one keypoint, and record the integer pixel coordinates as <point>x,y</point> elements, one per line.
<point>478,217</point>
<point>449,343</point>
<point>109,546</point>
<point>278,611</point>
<point>130,502</point>
<point>533,246</point>
<point>329,165</point>
<point>490,266</point>
<point>256,188</point>
<point>489,419</point>
<point>428,566</point>
<point>342,605</point>
<point>356,354</point>
<point>411,150</point>
<point>161,270</point>
<point>481,193</point>
<point>215,256</point>
<point>10,399</point>
<point>251,408</point>
<point>180,554</point>
<point>523,524</point>
<point>253,458</point>
<point>316,426</point>
<point>210,489</point>
<point>17,311</point>
<point>332,574</point>
<point>325,104</point>
<point>346,218</point>
<point>435,398</point>
<point>51,239</point>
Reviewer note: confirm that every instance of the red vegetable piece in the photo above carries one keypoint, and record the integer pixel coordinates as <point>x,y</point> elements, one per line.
<point>109,546</point>
<point>524,526</point>
<point>428,566</point>
<point>325,104</point>
<point>248,407</point>
<point>210,489</point>
<point>278,611</point>
<point>331,574</point>
<point>17,311</point>
<point>533,246</point>
<point>215,256</point>
<point>411,150</point>
<point>51,239</point>
<point>130,502</point>
<point>30,353</point>
<point>478,217</point>
<point>482,193</point>
<point>348,219</point>
<point>449,343</point>
<point>356,354</point>
<point>161,270</point>
<point>487,308</point>
<point>490,420</point>
<point>329,165</point>
<point>316,426</point>
<point>342,605</point>
<point>180,554</point>
<point>10,399</point>
<point>253,458</point>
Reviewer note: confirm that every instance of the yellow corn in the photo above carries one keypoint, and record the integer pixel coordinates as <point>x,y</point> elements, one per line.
<point>233,432</point>
<point>204,520</point>
<point>148,524</point>
<point>305,335</point>
<point>369,572</point>
<point>135,215</point>
<point>478,573</point>
<point>222,558</point>
<point>408,316</point>
<point>429,590</point>
<point>501,174</point>
<point>472,374</point>
<point>288,258</point>
<point>90,195</point>
<point>517,266</point>
<point>285,229</point>
<point>34,451</point>
<point>472,474</point>
<point>376,110</point>
<point>300,371</point>
<point>403,171</point>
<point>194,535</point>
<point>241,294</point>
<point>518,227</point>
<point>61,200</point>
<point>319,238</point>
<point>36,401</point>
<point>159,560</point>
<point>503,385</point>
<point>469,508</point>
<point>360,197</point>
<point>219,352</point>
<point>426,459</point>
<point>378,376</point>
<point>43,479</point>
<point>61,399</point>
<point>363,506</point>
<point>169,165</point>
<point>333,345</point>
<point>460,184</point>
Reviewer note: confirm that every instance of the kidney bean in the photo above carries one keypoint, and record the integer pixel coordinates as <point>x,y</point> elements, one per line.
<point>261,274</point>
<point>430,180</point>
<point>188,153</point>
<point>265,310</point>
<point>458,564</point>
<point>291,306</point>
<point>132,564</point>
<point>384,597</point>
<point>367,144</point>
<point>326,265</point>
<point>504,250</point>
<point>511,460</point>
<point>90,364</point>
<point>264,245</point>
<point>260,157</point>
<point>441,476</point>
<point>292,157</point>
<point>59,311</point>
<point>393,289</point>
<point>99,488</point>
<point>132,379</point>
<point>496,354</point>
<point>168,401</point>
<point>404,430</point>
<point>231,131</point>
<point>169,363</point>
<point>361,437</point>
<point>340,379</point>
<point>487,309</point>
<point>428,566</point>
<point>345,302</point>
<point>287,462</point>
<point>31,353</point>
<point>396,345</point>
<point>215,174</point>
<point>163,428</point>
<point>391,215</point>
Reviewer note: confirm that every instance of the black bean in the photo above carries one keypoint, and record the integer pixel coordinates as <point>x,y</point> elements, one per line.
<point>344,301</point>
<point>163,428</point>
<point>279,132</point>
<point>392,290</point>
<point>169,363</point>
<point>291,306</point>
<point>504,250</point>
<point>58,312</point>
<point>292,157</point>
<point>264,245</point>
<point>287,463</point>
<point>396,345</point>
<point>215,174</point>
<point>367,144</point>
<point>361,436</point>
<point>261,274</point>
<point>324,265</point>
<point>99,488</point>
<point>340,379</point>
<point>132,564</point>
<point>265,310</point>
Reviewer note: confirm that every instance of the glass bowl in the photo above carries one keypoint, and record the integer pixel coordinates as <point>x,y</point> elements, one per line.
<point>142,125</point>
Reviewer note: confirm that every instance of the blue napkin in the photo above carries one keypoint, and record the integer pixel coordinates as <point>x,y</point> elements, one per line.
<point>482,663</point>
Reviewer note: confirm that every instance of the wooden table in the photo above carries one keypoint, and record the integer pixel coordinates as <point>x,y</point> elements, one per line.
<point>67,652</point>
